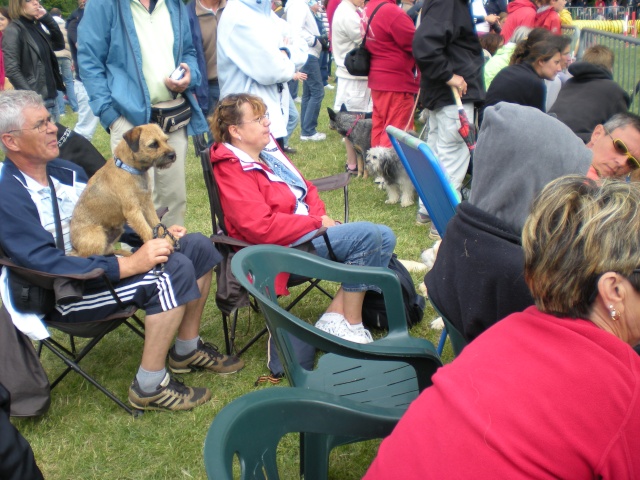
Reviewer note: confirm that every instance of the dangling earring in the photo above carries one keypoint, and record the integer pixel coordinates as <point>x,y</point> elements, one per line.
<point>615,315</point>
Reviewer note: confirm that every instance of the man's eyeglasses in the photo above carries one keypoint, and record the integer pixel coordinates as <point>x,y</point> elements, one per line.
<point>622,149</point>
<point>41,126</point>
<point>261,120</point>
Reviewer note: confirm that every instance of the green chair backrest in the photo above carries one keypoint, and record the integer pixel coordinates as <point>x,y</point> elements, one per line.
<point>251,427</point>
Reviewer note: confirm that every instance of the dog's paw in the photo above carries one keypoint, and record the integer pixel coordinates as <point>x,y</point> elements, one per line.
<point>406,203</point>
<point>391,201</point>
<point>422,288</point>
<point>437,324</point>
<point>412,266</point>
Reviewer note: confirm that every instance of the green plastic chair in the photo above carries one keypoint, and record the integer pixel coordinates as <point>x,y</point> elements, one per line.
<point>251,427</point>
<point>388,373</point>
<point>457,340</point>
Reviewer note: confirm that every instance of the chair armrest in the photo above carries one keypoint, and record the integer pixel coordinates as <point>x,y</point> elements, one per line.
<point>93,274</point>
<point>226,240</point>
<point>333,182</point>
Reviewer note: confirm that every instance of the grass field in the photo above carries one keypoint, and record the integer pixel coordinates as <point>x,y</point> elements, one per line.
<point>84,435</point>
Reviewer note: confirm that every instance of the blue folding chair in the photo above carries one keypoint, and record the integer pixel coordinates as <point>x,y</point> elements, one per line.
<point>430,181</point>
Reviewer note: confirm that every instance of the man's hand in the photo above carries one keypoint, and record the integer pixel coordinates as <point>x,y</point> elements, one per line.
<point>299,76</point>
<point>458,82</point>
<point>491,18</point>
<point>327,221</point>
<point>181,85</point>
<point>177,231</point>
<point>149,255</point>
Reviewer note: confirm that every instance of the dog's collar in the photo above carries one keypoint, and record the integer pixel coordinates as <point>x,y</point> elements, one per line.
<point>127,168</point>
<point>358,118</point>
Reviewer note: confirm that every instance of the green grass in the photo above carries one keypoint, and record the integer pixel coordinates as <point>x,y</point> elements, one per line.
<point>85,435</point>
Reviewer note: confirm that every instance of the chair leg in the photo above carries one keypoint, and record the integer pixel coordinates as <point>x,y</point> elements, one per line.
<point>225,328</point>
<point>314,455</point>
<point>255,338</point>
<point>443,339</point>
<point>76,368</point>
<point>346,204</point>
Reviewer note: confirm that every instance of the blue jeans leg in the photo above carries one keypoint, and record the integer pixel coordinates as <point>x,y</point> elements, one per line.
<point>67,77</point>
<point>359,243</point>
<point>294,119</point>
<point>312,95</point>
<point>324,67</point>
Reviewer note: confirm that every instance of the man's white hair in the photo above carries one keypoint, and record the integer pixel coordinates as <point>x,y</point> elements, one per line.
<point>12,105</point>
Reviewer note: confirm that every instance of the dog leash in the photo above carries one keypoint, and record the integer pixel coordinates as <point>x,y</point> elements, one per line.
<point>161,231</point>
<point>413,111</point>
<point>358,118</point>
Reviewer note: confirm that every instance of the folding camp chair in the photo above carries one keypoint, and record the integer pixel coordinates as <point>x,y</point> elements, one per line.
<point>388,373</point>
<point>251,428</point>
<point>94,330</point>
<point>430,181</point>
<point>230,296</point>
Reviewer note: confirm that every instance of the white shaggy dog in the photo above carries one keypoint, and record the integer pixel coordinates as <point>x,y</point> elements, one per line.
<point>384,162</point>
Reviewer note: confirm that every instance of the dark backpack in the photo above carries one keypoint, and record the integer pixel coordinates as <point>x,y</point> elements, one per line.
<point>374,314</point>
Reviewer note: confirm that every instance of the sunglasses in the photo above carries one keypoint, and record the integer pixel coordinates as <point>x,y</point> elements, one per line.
<point>622,149</point>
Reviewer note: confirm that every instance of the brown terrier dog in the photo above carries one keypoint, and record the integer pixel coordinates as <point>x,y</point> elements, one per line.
<point>119,192</point>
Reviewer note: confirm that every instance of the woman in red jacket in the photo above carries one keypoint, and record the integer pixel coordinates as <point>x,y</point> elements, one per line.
<point>267,200</point>
<point>393,78</point>
<point>522,13</point>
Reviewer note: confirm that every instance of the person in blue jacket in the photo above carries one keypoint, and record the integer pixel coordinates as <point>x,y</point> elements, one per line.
<point>126,53</point>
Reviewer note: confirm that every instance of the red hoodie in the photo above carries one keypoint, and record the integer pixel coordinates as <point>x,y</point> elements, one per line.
<point>521,13</point>
<point>548,19</point>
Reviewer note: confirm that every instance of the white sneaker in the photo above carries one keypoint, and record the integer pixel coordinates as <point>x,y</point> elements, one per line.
<point>329,86</point>
<point>337,325</point>
<point>316,137</point>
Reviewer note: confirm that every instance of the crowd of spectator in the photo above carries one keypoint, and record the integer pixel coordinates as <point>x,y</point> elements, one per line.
<point>235,67</point>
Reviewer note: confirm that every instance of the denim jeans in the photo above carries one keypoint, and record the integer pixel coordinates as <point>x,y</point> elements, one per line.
<point>67,78</point>
<point>51,104</point>
<point>359,243</point>
<point>293,88</point>
<point>214,96</point>
<point>87,121</point>
<point>325,66</point>
<point>312,95</point>
<point>294,119</point>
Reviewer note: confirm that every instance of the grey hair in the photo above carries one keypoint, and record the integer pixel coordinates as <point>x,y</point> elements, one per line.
<point>520,33</point>
<point>620,120</point>
<point>12,105</point>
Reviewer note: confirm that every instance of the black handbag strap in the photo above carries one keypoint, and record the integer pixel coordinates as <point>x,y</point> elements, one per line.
<point>364,40</point>
<point>56,216</point>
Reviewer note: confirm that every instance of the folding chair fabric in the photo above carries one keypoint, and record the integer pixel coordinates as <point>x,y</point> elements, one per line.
<point>94,330</point>
<point>251,427</point>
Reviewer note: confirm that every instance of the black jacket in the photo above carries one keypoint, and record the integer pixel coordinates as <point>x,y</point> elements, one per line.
<point>478,276</point>
<point>518,84</point>
<point>446,43</point>
<point>605,99</point>
<point>22,63</point>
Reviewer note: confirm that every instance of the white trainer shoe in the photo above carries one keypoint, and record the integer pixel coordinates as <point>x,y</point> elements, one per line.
<point>316,137</point>
<point>337,325</point>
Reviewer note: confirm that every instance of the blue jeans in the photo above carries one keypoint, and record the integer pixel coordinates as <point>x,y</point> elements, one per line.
<point>359,243</point>
<point>51,104</point>
<point>87,121</point>
<point>294,119</point>
<point>293,88</point>
<point>67,77</point>
<point>312,95</point>
<point>325,66</point>
<point>214,96</point>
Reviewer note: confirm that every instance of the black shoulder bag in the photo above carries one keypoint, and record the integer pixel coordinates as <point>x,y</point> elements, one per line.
<point>358,61</point>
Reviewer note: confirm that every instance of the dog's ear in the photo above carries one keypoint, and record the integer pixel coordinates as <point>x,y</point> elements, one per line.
<point>332,114</point>
<point>343,108</point>
<point>132,137</point>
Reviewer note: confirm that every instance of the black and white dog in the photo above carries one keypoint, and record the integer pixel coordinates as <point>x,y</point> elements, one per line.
<point>384,162</point>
